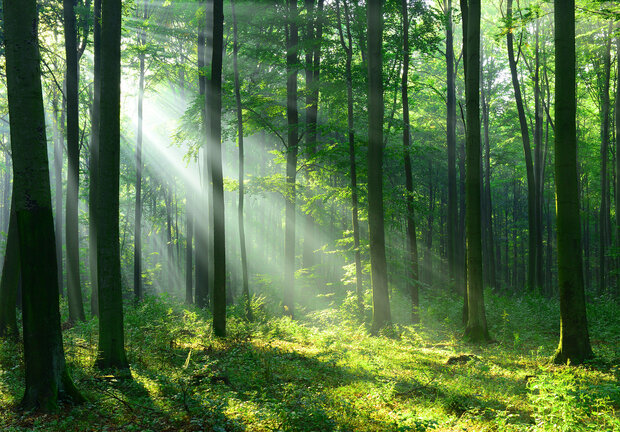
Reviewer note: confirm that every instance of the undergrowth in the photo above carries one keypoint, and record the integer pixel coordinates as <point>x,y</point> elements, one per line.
<point>324,372</point>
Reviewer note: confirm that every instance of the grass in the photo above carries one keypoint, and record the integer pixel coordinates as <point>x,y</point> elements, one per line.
<point>324,372</point>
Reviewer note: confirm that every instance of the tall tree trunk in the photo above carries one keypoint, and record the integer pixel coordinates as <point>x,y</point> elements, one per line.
<point>137,252</point>
<point>189,248</point>
<point>11,272</point>
<point>538,167</point>
<point>453,239</point>
<point>604,232</point>
<point>202,226</point>
<point>381,301</point>
<point>489,237</point>
<point>476,329</point>
<point>58,187</point>
<point>93,161</point>
<point>412,248</point>
<point>214,132</point>
<point>74,290</point>
<point>348,49</point>
<point>292,115</point>
<point>242,246</point>
<point>111,350</point>
<point>529,165</point>
<point>617,197</point>
<point>47,379</point>
<point>574,343</point>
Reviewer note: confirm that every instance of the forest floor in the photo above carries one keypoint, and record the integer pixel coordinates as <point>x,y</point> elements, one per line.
<point>324,372</point>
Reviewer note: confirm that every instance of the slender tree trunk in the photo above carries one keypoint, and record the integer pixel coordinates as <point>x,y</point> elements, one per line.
<point>47,379</point>
<point>348,49</point>
<point>604,233</point>
<point>189,248</point>
<point>453,239</point>
<point>292,115</point>
<point>538,168</point>
<point>74,290</point>
<point>58,187</point>
<point>574,343</point>
<point>93,162</point>
<point>111,350</point>
<point>202,225</point>
<point>137,252</point>
<point>380,296</point>
<point>617,197</point>
<point>214,133</point>
<point>242,246</point>
<point>476,329</point>
<point>412,248</point>
<point>529,165</point>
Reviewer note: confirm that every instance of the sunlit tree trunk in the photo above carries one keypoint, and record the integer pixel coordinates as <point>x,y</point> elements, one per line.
<point>381,315</point>
<point>476,329</point>
<point>292,115</point>
<point>202,225</point>
<point>93,161</point>
<point>604,231</point>
<point>412,247</point>
<point>574,343</point>
<point>213,102</point>
<point>462,249</point>
<point>137,252</point>
<point>10,280</point>
<point>74,290</point>
<point>242,245</point>
<point>451,144</point>
<point>58,141</point>
<point>347,46</point>
<point>47,379</point>
<point>111,350</point>
<point>538,166</point>
<point>189,247</point>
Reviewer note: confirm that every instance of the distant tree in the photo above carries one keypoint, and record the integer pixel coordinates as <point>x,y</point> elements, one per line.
<point>574,343</point>
<point>242,247</point>
<point>111,350</point>
<point>47,379</point>
<point>380,296</point>
<point>74,290</point>
<point>412,248</point>
<point>476,329</point>
<point>214,114</point>
<point>292,116</point>
<point>93,160</point>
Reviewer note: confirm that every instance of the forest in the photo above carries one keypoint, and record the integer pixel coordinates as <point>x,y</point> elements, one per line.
<point>341,215</point>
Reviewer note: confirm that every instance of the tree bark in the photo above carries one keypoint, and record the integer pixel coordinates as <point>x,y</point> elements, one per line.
<point>381,301</point>
<point>451,144</point>
<point>47,379</point>
<point>93,161</point>
<point>111,350</point>
<point>476,329</point>
<point>74,290</point>
<point>574,346</point>
<point>11,273</point>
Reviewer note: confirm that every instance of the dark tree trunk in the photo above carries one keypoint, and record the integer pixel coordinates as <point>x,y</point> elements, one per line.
<point>412,248</point>
<point>47,379</point>
<point>214,133</point>
<point>476,329</point>
<point>242,246</point>
<point>292,115</point>
<point>604,231</point>
<point>380,296</point>
<point>74,290</point>
<point>617,197</point>
<point>453,239</point>
<point>111,350</point>
<point>93,162</point>
<point>574,343</point>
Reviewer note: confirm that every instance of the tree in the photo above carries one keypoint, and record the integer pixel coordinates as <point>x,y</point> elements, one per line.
<point>412,248</point>
<point>244,255</point>
<point>574,346</point>
<point>214,130</point>
<point>292,116</point>
<point>380,297</point>
<point>111,351</point>
<point>137,254</point>
<point>47,379</point>
<point>476,329</point>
